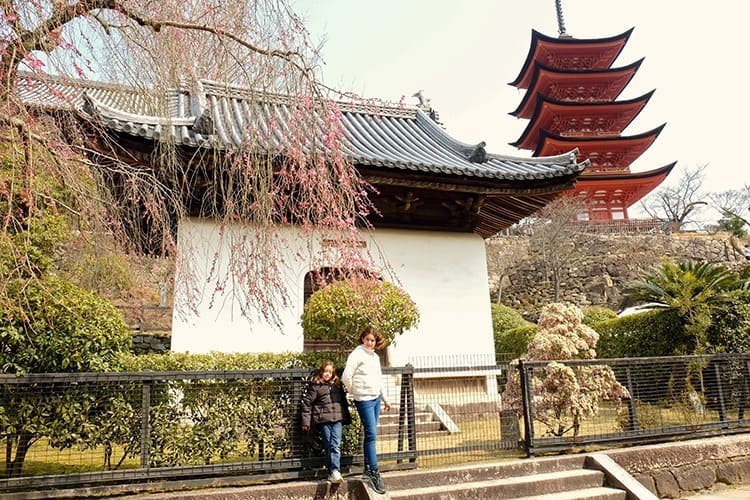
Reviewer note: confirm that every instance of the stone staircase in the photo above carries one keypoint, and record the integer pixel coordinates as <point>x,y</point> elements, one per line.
<point>552,478</point>
<point>425,420</point>
<point>594,476</point>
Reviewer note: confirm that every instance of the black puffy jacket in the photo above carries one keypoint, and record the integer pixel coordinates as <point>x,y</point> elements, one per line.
<point>323,403</point>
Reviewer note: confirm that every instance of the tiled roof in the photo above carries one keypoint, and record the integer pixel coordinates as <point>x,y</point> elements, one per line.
<point>216,116</point>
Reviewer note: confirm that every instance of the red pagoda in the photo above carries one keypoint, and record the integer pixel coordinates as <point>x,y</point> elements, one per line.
<point>571,101</point>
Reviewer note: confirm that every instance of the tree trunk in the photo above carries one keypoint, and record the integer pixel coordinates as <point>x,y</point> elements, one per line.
<point>24,443</point>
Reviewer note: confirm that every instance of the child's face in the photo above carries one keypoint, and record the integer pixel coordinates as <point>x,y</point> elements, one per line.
<point>369,342</point>
<point>327,373</point>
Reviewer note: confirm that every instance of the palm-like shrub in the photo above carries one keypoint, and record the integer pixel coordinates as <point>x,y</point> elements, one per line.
<point>693,290</point>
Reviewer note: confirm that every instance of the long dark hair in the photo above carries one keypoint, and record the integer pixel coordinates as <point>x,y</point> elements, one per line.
<point>318,377</point>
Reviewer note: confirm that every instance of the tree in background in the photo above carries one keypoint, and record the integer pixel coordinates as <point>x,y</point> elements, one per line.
<point>733,206</point>
<point>343,309</point>
<point>563,396</point>
<point>152,46</point>
<point>678,203</point>
<point>552,233</point>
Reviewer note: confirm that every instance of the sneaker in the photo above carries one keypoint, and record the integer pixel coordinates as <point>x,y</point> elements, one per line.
<point>335,477</point>
<point>377,482</point>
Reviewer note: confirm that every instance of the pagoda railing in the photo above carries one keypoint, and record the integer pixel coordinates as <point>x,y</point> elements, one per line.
<point>625,226</point>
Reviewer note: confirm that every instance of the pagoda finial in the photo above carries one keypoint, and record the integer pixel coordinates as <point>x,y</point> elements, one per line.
<point>560,20</point>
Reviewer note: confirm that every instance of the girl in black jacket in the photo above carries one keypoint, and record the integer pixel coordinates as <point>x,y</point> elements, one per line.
<point>325,405</point>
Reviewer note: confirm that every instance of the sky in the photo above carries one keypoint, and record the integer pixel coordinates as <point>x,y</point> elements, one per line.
<point>462,54</point>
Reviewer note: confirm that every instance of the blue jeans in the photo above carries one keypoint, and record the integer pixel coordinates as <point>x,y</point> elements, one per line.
<point>331,432</point>
<point>369,412</point>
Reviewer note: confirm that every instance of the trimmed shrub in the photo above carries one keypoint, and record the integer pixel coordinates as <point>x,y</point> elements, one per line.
<point>343,309</point>
<point>650,333</point>
<point>596,314</point>
<point>513,343</point>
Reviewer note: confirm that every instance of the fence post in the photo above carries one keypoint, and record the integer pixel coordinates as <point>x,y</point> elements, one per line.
<point>526,395</point>
<point>722,405</point>
<point>745,392</point>
<point>632,412</point>
<point>145,422</point>
<point>407,410</point>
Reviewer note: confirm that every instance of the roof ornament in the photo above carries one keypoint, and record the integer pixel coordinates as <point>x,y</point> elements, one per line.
<point>479,155</point>
<point>424,102</point>
<point>560,20</point>
<point>424,105</point>
<point>199,107</point>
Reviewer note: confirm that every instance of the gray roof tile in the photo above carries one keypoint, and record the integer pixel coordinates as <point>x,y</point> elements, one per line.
<point>376,135</point>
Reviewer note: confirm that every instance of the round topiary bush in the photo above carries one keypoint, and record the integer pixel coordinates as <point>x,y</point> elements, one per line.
<point>343,309</point>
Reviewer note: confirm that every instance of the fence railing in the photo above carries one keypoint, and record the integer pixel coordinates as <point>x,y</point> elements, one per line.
<point>105,428</point>
<point>94,429</point>
<point>569,404</point>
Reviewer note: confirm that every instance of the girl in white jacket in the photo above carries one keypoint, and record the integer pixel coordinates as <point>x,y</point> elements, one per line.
<point>363,379</point>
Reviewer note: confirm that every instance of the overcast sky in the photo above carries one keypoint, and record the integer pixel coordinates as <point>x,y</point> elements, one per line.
<point>463,54</point>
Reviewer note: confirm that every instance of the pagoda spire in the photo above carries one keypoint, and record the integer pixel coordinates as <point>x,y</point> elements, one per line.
<point>560,20</point>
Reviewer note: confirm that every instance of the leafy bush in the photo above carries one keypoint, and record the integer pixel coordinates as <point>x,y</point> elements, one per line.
<point>202,421</point>
<point>649,333</point>
<point>57,327</point>
<point>596,314</point>
<point>505,318</point>
<point>730,326</point>
<point>513,343</point>
<point>343,309</point>
<point>511,332</point>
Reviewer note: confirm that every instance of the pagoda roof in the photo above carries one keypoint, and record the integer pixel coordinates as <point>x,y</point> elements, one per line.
<point>579,118</point>
<point>570,53</point>
<point>604,153</point>
<point>624,188</point>
<point>591,85</point>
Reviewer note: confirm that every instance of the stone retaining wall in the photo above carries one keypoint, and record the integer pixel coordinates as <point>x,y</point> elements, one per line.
<point>600,266</point>
<point>671,470</point>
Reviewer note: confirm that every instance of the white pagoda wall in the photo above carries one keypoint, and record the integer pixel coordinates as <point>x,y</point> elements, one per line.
<point>444,273</point>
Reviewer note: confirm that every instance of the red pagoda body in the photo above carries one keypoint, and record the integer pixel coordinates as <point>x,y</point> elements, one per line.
<point>571,100</point>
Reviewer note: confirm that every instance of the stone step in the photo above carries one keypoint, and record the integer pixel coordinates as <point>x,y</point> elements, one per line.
<point>482,471</point>
<point>600,493</point>
<point>532,486</point>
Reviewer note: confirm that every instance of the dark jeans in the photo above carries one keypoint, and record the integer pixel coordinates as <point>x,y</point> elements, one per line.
<point>331,432</point>
<point>369,412</point>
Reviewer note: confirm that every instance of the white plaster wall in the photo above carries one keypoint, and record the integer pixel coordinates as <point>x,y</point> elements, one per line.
<point>444,273</point>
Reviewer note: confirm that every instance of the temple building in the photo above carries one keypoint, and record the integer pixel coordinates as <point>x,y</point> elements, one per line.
<point>571,101</point>
<point>437,199</point>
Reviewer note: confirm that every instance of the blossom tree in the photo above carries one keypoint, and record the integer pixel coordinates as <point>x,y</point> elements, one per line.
<point>148,47</point>
<point>563,396</point>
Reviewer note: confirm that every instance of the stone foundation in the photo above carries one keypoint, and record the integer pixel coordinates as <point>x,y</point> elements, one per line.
<point>671,470</point>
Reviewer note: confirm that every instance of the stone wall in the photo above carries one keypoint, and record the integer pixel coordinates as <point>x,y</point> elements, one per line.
<point>671,470</point>
<point>600,266</point>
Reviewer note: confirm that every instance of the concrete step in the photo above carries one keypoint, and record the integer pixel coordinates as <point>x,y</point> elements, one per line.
<point>600,493</point>
<point>509,487</point>
<point>482,471</point>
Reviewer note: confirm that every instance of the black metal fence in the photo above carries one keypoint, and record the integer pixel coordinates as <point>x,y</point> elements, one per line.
<point>572,404</point>
<point>69,430</point>
<point>65,430</point>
